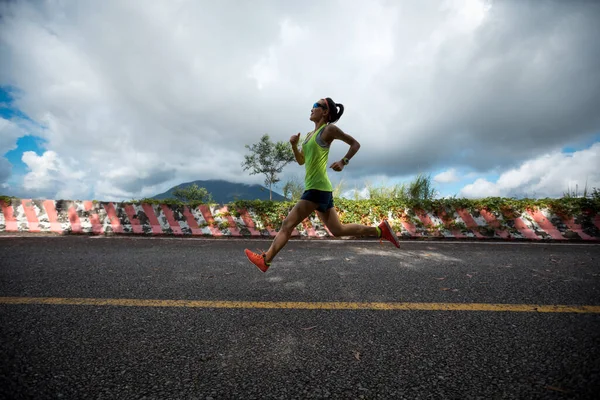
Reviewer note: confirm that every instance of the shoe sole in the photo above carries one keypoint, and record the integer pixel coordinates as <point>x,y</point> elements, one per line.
<point>397,242</point>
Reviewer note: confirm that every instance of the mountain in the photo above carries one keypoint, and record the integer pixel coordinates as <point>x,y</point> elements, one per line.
<point>223,192</point>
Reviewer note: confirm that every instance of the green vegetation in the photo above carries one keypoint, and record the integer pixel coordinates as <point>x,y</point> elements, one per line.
<point>270,213</point>
<point>369,211</point>
<point>193,193</point>
<point>6,199</point>
<point>338,190</point>
<point>419,189</point>
<point>268,158</point>
<point>575,193</point>
<point>293,189</point>
<point>169,202</point>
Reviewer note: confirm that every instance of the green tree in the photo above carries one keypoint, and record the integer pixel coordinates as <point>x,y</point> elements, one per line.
<point>193,193</point>
<point>268,158</point>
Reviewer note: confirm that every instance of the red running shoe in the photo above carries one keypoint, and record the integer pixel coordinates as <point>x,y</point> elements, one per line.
<point>387,233</point>
<point>258,260</point>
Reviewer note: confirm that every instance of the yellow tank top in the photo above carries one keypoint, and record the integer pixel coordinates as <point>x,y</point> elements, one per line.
<point>315,162</point>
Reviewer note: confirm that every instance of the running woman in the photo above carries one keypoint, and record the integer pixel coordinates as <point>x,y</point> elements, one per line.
<point>318,194</point>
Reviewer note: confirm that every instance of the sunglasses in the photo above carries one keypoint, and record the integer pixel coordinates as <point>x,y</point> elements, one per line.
<point>323,106</point>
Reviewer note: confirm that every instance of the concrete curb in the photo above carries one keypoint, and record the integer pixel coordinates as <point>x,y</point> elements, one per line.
<point>108,218</point>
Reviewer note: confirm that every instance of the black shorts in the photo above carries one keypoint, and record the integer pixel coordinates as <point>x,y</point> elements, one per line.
<point>323,199</point>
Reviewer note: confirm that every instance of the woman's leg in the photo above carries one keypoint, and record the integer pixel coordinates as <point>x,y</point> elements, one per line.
<point>383,230</point>
<point>299,213</point>
<point>332,221</point>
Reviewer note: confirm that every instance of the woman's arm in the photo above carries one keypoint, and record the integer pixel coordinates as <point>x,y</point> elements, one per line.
<point>332,132</point>
<point>297,153</point>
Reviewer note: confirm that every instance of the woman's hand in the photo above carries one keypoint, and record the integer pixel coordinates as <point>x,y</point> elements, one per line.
<point>294,139</point>
<point>337,166</point>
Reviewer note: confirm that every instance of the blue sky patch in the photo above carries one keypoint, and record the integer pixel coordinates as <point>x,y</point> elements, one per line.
<point>582,144</point>
<point>7,111</point>
<point>24,143</point>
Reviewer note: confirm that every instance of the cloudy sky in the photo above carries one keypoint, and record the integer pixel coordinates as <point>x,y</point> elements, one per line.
<point>116,100</point>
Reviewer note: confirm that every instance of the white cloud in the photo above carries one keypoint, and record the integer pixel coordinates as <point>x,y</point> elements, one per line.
<point>448,176</point>
<point>550,175</point>
<point>173,90</point>
<point>5,170</point>
<point>480,188</point>
<point>352,194</point>
<point>10,131</point>
<point>49,175</point>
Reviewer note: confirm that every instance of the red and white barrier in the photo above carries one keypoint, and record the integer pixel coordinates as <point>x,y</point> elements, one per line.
<point>99,218</point>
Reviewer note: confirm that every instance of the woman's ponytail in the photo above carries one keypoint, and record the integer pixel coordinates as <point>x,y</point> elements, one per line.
<point>341,111</point>
<point>335,110</point>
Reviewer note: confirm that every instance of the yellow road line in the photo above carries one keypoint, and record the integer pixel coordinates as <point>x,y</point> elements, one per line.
<point>542,308</point>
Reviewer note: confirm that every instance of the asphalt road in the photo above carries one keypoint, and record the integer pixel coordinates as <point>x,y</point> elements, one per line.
<point>155,351</point>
